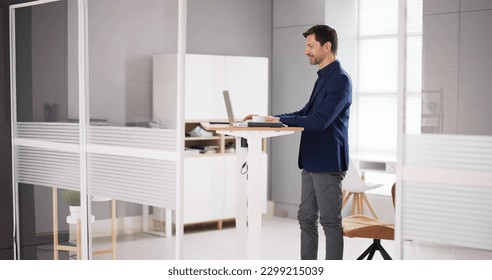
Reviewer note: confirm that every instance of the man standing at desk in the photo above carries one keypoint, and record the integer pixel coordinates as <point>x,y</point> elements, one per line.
<point>324,151</point>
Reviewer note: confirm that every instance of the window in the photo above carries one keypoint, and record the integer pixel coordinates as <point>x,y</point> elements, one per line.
<point>379,62</point>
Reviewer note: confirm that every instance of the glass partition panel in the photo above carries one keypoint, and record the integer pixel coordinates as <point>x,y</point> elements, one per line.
<point>46,130</point>
<point>131,156</point>
<point>125,159</point>
<point>445,168</point>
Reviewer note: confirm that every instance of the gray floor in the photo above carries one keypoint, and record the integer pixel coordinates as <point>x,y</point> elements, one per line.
<point>279,241</point>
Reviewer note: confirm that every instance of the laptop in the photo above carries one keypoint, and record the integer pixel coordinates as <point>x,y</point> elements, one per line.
<point>233,122</point>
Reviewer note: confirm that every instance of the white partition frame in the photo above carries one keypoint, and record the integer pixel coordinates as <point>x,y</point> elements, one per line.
<point>91,156</point>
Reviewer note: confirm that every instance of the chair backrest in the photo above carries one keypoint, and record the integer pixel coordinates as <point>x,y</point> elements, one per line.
<point>352,181</point>
<point>393,193</point>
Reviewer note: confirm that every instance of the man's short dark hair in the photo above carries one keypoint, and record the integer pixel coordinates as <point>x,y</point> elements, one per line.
<point>323,34</point>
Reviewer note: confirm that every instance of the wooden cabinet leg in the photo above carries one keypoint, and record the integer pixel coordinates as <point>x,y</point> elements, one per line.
<point>79,240</point>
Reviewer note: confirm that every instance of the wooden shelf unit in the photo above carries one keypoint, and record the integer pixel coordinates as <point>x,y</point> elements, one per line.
<point>218,140</point>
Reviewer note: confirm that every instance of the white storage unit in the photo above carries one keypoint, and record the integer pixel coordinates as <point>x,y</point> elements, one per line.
<point>206,77</point>
<point>210,179</point>
<point>210,188</point>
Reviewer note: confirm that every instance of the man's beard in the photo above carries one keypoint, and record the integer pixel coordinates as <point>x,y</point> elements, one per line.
<point>313,60</point>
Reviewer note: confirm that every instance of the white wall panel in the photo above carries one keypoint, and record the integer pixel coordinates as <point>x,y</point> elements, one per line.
<point>441,6</point>
<point>475,5</point>
<point>475,68</point>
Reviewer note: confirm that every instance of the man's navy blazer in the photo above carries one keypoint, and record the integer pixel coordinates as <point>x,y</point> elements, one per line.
<point>325,119</point>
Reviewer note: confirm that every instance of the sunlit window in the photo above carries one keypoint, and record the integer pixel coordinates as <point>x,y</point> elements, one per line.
<point>378,74</point>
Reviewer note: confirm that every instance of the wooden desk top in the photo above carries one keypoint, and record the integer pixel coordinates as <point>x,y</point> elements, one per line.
<point>215,127</point>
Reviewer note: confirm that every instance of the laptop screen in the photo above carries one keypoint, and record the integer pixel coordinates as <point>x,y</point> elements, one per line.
<point>227,101</point>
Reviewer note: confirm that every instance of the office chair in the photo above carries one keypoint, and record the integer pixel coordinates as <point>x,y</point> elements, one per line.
<point>353,185</point>
<point>363,226</point>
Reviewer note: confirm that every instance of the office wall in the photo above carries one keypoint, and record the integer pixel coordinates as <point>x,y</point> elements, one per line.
<point>232,27</point>
<point>293,79</point>
<point>456,58</point>
<point>123,36</point>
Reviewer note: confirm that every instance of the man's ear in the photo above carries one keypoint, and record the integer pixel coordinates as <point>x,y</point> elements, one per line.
<point>327,46</point>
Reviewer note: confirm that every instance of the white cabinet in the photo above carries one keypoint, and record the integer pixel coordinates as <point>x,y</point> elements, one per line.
<point>210,188</point>
<point>206,76</point>
<point>203,189</point>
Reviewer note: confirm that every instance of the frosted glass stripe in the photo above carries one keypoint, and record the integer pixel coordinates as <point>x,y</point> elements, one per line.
<point>460,152</point>
<point>133,152</point>
<point>139,180</point>
<point>450,214</point>
<point>47,168</point>
<point>54,132</point>
<point>137,137</point>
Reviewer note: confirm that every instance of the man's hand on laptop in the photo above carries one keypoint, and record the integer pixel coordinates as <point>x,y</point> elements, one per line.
<point>272,119</point>
<point>263,119</point>
<point>249,117</point>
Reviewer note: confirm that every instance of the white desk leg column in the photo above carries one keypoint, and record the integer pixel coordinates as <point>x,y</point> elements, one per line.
<point>241,200</point>
<point>254,197</point>
<point>250,233</point>
<point>254,183</point>
<point>241,192</point>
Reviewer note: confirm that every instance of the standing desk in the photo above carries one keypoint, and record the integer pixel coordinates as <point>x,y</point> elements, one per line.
<point>248,196</point>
